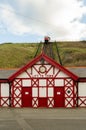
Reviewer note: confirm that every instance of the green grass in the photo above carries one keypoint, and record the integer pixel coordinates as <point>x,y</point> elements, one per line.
<point>18,54</point>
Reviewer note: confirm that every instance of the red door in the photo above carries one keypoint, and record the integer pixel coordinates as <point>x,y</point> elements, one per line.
<point>59,97</point>
<point>42,102</point>
<point>26,97</point>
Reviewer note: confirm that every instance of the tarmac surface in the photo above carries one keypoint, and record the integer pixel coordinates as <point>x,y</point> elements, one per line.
<point>42,119</point>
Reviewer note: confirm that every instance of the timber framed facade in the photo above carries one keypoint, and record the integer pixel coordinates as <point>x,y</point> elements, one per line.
<point>43,83</point>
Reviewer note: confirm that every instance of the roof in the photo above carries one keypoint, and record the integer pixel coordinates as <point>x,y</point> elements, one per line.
<point>6,73</point>
<point>48,59</point>
<point>80,71</point>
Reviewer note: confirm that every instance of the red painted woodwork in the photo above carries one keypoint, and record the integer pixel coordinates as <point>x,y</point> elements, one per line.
<point>59,97</point>
<point>35,102</point>
<point>4,81</point>
<point>26,97</point>
<point>69,93</point>
<point>50,102</point>
<point>4,101</point>
<point>49,60</point>
<point>16,90</point>
<point>82,101</point>
<point>42,102</point>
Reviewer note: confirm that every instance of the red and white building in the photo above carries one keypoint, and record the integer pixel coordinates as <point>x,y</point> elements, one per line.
<point>43,83</point>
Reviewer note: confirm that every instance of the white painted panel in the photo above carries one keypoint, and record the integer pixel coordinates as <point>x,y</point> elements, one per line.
<point>49,68</point>
<point>69,102</point>
<point>56,70</point>
<point>45,62</point>
<point>17,83</point>
<point>50,92</point>
<point>36,66</point>
<point>82,89</point>
<point>29,70</point>
<point>17,93</point>
<point>59,82</point>
<point>82,102</point>
<point>42,92</point>
<point>50,102</point>
<point>69,82</point>
<point>4,102</point>
<point>50,72</point>
<point>39,62</point>
<point>62,74</point>
<point>35,102</point>
<point>34,92</point>
<point>17,102</point>
<point>4,89</point>
<point>23,75</point>
<point>42,82</point>
<point>34,72</point>
<point>26,83</point>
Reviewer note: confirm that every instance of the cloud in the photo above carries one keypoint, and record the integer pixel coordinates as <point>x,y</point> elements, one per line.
<point>59,19</point>
<point>11,22</point>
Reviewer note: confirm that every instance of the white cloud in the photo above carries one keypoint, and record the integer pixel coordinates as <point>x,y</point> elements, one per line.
<point>59,19</point>
<point>11,21</point>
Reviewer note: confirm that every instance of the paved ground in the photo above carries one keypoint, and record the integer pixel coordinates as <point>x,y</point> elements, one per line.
<point>42,119</point>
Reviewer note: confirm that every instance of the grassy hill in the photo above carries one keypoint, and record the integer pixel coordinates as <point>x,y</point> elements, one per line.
<point>17,55</point>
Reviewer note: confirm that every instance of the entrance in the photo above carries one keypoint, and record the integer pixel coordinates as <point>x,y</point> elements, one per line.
<point>42,102</point>
<point>59,97</point>
<point>26,97</point>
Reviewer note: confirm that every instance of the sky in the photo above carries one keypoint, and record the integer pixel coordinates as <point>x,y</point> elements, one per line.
<point>31,20</point>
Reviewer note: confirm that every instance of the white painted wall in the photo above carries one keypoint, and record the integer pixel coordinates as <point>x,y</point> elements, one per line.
<point>26,82</point>
<point>62,74</point>
<point>42,92</point>
<point>68,104</point>
<point>82,102</point>
<point>34,92</point>
<point>4,102</point>
<point>82,89</point>
<point>59,82</point>
<point>4,90</point>
<point>42,82</point>
<point>23,75</point>
<point>29,70</point>
<point>17,92</point>
<point>50,92</point>
<point>50,72</point>
<point>17,104</point>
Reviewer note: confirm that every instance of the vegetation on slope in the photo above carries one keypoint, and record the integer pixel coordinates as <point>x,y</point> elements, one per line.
<point>17,55</point>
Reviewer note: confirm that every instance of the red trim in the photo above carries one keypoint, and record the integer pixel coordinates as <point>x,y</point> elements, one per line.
<point>16,97</point>
<point>3,81</point>
<point>82,101</point>
<point>4,100</point>
<point>82,79</point>
<point>48,59</point>
<point>69,99</point>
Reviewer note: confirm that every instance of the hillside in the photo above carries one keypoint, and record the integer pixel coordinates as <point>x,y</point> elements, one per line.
<point>18,54</point>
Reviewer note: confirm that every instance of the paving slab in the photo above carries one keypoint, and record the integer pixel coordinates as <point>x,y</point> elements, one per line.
<point>42,119</point>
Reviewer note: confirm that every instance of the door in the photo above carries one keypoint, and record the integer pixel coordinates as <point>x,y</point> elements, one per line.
<point>26,97</point>
<point>42,97</point>
<point>59,97</point>
<point>42,102</point>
